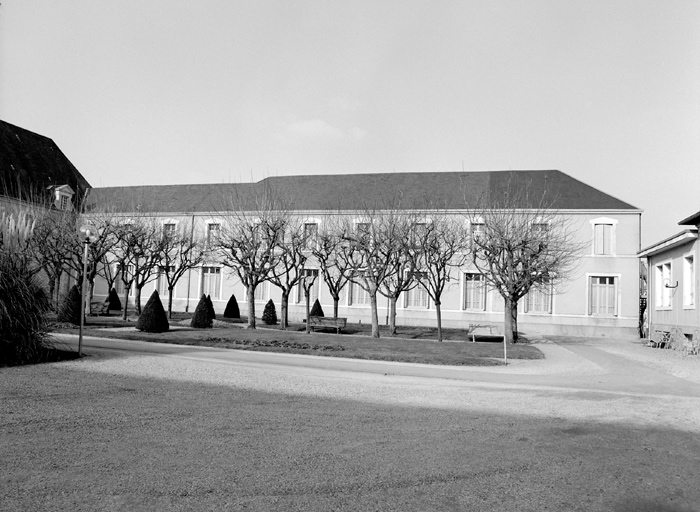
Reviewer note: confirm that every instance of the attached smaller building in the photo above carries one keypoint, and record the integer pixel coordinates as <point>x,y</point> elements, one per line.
<point>672,281</point>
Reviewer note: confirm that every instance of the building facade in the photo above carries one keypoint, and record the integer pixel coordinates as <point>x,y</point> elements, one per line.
<point>600,298</point>
<point>672,281</point>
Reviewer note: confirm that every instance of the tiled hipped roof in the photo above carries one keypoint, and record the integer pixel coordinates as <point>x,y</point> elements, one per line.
<point>445,190</point>
<point>29,163</point>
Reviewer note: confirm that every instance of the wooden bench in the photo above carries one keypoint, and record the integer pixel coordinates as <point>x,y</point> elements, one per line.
<point>99,308</point>
<point>324,321</point>
<point>483,329</point>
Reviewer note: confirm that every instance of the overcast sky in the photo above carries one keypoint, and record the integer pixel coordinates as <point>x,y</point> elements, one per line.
<point>172,91</point>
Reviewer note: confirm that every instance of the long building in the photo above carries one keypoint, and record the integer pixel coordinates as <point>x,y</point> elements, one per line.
<point>600,298</point>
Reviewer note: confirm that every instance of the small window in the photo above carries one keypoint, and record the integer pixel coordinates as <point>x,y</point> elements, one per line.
<point>213,232</point>
<point>162,281</point>
<point>260,293</point>
<point>540,228</point>
<point>477,230</point>
<point>310,235</point>
<point>603,239</point>
<point>474,292</point>
<point>168,229</point>
<point>63,202</point>
<point>689,281</point>
<point>603,296</point>
<point>211,282</point>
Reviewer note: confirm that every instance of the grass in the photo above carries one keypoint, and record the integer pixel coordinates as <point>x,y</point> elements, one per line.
<point>412,344</point>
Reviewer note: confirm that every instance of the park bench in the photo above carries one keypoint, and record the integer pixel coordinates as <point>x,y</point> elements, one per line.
<point>483,329</point>
<point>99,308</point>
<point>323,321</point>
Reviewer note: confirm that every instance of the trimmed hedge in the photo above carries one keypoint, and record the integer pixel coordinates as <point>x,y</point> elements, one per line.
<point>212,313</point>
<point>202,318</point>
<point>316,310</point>
<point>270,313</point>
<point>232,310</point>
<point>153,317</point>
<point>114,302</point>
<point>71,308</point>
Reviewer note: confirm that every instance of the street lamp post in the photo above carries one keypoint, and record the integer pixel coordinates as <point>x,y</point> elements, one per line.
<point>85,233</point>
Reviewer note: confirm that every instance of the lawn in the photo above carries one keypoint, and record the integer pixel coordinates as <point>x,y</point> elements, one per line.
<point>412,344</point>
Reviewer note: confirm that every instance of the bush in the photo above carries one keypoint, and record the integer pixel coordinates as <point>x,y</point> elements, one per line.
<point>270,313</point>
<point>212,313</point>
<point>71,308</point>
<point>202,318</point>
<point>153,317</point>
<point>114,302</point>
<point>316,310</point>
<point>23,301</point>
<point>232,310</point>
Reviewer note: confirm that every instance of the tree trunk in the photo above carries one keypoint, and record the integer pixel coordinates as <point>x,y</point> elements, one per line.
<point>336,301</point>
<point>137,300</point>
<point>284,310</point>
<point>511,321</point>
<point>307,298</point>
<point>126,302</point>
<point>170,302</point>
<point>375,314</point>
<point>438,312</point>
<point>392,316</point>
<point>52,292</point>
<point>251,308</point>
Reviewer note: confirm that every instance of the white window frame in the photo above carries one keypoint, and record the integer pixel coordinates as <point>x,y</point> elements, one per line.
<point>162,283</point>
<point>604,221</point>
<point>689,280</point>
<point>616,294</point>
<point>314,293</point>
<point>356,290</point>
<point>204,272</point>
<point>207,232</point>
<point>311,243</point>
<point>484,291</point>
<point>416,298</point>
<point>261,292</point>
<point>663,283</point>
<point>546,291</point>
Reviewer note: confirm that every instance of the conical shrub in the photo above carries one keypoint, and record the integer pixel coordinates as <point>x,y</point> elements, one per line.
<point>114,302</point>
<point>270,313</point>
<point>153,317</point>
<point>232,310</point>
<point>202,318</point>
<point>316,309</point>
<point>71,308</point>
<point>212,313</point>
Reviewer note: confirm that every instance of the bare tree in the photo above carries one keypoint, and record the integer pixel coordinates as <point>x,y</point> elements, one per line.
<point>369,254</point>
<point>248,239</point>
<point>181,251</point>
<point>441,249</point>
<point>291,259</point>
<point>327,251</point>
<point>520,241</point>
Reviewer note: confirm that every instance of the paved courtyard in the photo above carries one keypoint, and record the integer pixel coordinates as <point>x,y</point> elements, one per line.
<point>138,426</point>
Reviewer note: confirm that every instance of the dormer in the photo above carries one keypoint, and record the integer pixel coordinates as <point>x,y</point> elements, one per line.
<point>62,197</point>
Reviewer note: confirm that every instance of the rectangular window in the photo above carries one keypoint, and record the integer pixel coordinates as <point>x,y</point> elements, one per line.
<point>689,281</point>
<point>540,227</point>
<point>476,230</point>
<point>474,292</point>
<point>662,281</point>
<point>168,229</point>
<point>63,202</point>
<point>539,299</point>
<point>310,235</point>
<point>162,282</point>
<point>213,232</point>
<point>603,296</point>
<point>260,293</point>
<point>119,284</point>
<point>417,298</point>
<point>602,239</point>
<point>211,282</point>
<point>358,295</point>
